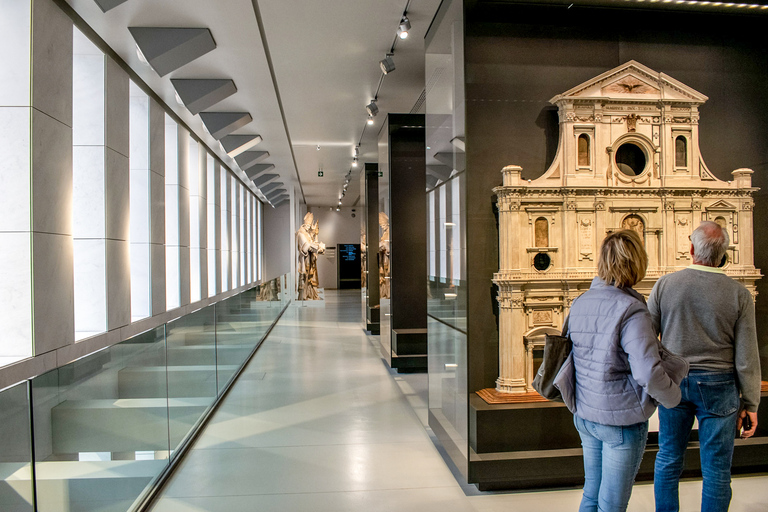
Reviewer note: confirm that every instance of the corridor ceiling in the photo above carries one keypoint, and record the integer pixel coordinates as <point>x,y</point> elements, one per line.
<point>305,79</point>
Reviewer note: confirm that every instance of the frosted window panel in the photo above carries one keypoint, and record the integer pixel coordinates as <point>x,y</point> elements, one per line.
<point>88,188</point>
<point>195,291</point>
<point>193,169</point>
<point>90,277</point>
<point>171,215</point>
<point>211,249</point>
<point>88,107</point>
<point>140,204</point>
<point>456,230</point>
<point>260,239</point>
<point>194,249</point>
<point>15,51</point>
<point>234,248</point>
<point>242,236</point>
<point>224,203</point>
<point>432,240</point>
<point>16,286</point>
<point>15,168</point>
<point>441,225</point>
<point>172,252</point>
<point>211,184</point>
<point>172,284</point>
<point>252,245</point>
<point>140,281</point>
<point>224,271</point>
<point>171,151</point>
<point>211,272</point>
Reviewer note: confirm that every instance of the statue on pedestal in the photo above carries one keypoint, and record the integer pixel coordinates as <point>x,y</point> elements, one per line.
<point>384,256</point>
<point>308,248</point>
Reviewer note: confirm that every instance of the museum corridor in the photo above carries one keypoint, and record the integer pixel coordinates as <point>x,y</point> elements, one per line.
<point>317,422</point>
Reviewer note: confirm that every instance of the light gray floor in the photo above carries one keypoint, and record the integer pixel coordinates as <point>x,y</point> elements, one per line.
<point>317,423</point>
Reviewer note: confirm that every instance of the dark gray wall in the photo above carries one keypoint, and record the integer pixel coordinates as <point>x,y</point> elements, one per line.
<point>277,240</point>
<point>517,57</point>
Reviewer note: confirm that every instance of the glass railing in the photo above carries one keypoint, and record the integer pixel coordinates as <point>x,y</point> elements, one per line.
<point>98,433</point>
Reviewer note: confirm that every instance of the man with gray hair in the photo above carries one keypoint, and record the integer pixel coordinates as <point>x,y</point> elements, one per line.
<point>707,318</point>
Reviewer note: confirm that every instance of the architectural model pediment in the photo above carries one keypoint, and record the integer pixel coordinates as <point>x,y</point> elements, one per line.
<point>633,80</point>
<point>721,205</point>
<point>628,157</point>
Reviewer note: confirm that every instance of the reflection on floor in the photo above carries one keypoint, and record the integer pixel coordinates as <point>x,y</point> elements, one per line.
<point>317,422</point>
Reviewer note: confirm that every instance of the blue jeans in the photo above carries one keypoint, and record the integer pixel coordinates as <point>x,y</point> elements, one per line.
<point>713,399</point>
<point>612,456</point>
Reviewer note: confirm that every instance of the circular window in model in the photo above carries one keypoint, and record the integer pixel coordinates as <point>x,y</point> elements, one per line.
<point>542,261</point>
<point>631,159</point>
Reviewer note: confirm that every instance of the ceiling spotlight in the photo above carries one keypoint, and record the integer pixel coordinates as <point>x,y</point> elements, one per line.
<point>372,108</point>
<point>388,64</point>
<point>354,162</point>
<point>338,209</point>
<point>405,26</point>
<point>318,147</point>
<point>370,119</point>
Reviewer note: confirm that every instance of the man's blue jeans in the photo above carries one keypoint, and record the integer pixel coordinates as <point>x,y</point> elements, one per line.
<point>713,399</point>
<point>612,456</point>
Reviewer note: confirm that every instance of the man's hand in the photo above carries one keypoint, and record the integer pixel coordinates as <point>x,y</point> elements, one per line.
<point>748,420</point>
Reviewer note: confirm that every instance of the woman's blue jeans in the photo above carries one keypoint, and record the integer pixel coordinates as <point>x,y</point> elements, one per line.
<point>712,398</point>
<point>612,456</point>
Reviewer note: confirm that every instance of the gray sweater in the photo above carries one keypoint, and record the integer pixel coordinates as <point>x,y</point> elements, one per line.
<point>708,318</point>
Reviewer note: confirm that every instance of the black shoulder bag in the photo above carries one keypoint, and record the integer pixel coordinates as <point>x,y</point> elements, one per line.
<point>556,351</point>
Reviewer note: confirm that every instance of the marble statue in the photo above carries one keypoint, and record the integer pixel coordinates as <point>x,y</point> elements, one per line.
<point>308,247</point>
<point>270,290</point>
<point>363,258</point>
<point>384,276</point>
<point>628,158</point>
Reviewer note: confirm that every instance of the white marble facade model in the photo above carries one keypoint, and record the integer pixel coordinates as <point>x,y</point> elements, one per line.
<point>628,158</point>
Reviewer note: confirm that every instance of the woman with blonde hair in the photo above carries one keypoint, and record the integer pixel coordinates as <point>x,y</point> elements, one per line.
<point>619,373</point>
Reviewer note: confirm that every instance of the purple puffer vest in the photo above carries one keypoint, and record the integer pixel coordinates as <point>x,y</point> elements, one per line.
<point>616,374</point>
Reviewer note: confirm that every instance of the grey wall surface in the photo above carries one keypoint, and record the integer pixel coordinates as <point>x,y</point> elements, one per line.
<point>335,228</point>
<point>277,239</point>
<point>513,68</point>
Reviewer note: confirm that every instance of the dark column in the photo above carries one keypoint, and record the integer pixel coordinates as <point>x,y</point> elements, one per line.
<point>408,241</point>
<point>371,177</point>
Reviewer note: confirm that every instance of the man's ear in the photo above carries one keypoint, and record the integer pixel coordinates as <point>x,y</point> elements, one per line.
<point>691,250</point>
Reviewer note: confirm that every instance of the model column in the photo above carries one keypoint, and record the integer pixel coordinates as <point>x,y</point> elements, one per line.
<point>512,351</point>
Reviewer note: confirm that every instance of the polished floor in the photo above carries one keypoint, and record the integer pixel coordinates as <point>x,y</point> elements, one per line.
<point>318,423</point>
